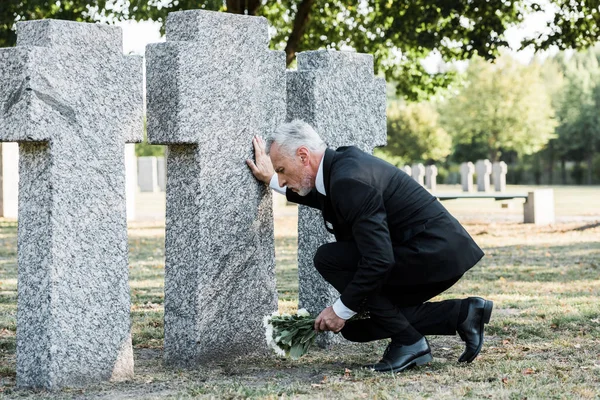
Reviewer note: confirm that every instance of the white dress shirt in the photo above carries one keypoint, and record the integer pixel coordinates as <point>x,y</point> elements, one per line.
<point>338,307</point>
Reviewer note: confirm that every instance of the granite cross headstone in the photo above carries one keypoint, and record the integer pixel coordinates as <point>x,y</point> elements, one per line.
<point>71,100</point>
<point>430,177</point>
<point>483,169</point>
<point>338,95</point>
<point>466,176</point>
<point>418,173</point>
<point>211,87</point>
<point>499,170</point>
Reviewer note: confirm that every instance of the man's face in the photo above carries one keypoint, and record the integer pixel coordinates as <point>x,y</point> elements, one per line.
<point>293,172</point>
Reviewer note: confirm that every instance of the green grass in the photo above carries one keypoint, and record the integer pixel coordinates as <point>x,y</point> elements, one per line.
<point>542,342</point>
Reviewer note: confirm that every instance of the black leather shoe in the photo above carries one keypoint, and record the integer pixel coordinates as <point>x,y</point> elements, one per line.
<point>399,357</point>
<point>471,329</point>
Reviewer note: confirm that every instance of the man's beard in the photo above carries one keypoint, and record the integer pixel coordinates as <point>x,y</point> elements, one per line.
<point>306,185</point>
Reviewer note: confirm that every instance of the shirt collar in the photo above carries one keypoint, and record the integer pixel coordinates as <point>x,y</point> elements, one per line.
<point>319,182</point>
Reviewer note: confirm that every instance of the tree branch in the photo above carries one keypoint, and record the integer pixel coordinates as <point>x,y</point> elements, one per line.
<point>300,23</point>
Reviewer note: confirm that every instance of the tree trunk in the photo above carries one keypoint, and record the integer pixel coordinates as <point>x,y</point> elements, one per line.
<point>300,23</point>
<point>563,171</point>
<point>248,7</point>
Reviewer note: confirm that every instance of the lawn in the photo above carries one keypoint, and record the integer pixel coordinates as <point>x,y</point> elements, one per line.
<point>542,342</point>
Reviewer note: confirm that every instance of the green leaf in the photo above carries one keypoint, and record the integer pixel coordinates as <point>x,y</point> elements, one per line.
<point>297,351</point>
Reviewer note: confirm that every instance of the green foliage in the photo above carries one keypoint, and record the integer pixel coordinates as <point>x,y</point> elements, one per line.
<point>146,149</point>
<point>504,106</point>
<point>292,334</point>
<point>414,133</point>
<point>400,34</point>
<point>575,26</point>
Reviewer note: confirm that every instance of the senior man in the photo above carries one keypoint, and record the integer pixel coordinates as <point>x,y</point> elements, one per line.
<point>396,246</point>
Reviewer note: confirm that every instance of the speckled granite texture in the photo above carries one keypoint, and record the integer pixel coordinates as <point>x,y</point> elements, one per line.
<point>210,88</point>
<point>338,95</point>
<point>72,99</point>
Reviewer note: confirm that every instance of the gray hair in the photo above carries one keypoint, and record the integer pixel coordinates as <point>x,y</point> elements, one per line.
<point>292,135</point>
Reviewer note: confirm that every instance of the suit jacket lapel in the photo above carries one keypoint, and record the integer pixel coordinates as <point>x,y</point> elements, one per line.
<point>327,161</point>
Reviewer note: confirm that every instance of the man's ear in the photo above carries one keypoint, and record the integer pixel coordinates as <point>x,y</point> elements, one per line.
<point>303,153</point>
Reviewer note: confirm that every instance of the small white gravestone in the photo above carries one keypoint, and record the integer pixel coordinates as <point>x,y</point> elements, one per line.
<point>418,173</point>
<point>148,174</point>
<point>9,180</point>
<point>407,169</point>
<point>466,176</point>
<point>430,177</point>
<point>131,181</point>
<point>539,207</point>
<point>483,169</point>
<point>499,170</point>
<point>161,173</point>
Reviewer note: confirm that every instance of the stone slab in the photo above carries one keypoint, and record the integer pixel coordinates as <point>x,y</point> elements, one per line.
<point>72,100</point>
<point>207,97</point>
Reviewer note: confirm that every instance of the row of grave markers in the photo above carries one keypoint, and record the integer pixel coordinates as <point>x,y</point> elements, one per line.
<point>426,175</point>
<point>71,99</point>
<point>148,174</point>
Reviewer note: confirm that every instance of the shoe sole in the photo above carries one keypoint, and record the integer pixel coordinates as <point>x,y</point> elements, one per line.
<point>417,362</point>
<point>485,319</point>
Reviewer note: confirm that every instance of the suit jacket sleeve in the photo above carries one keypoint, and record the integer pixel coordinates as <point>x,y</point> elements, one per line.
<point>310,200</point>
<point>365,212</point>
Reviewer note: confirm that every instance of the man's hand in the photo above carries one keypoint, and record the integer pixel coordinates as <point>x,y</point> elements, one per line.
<point>329,321</point>
<point>263,169</point>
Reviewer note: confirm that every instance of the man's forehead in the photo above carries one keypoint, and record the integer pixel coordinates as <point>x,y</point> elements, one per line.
<point>275,154</point>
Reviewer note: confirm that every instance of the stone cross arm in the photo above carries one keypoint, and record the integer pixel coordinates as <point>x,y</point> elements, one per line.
<point>68,74</point>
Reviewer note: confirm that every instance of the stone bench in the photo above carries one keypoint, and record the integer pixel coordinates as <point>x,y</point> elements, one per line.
<point>538,207</point>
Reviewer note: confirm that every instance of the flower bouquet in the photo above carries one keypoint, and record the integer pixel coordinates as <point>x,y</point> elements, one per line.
<point>290,335</point>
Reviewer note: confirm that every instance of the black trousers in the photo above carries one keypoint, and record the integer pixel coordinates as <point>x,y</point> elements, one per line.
<point>398,312</point>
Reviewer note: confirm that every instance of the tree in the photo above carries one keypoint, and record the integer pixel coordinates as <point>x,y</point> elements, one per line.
<point>579,123</point>
<point>576,25</point>
<point>414,133</point>
<point>503,106</point>
<point>399,33</point>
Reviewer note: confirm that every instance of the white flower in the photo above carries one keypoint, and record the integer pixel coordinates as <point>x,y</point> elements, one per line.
<point>266,321</point>
<point>303,313</point>
<point>275,314</point>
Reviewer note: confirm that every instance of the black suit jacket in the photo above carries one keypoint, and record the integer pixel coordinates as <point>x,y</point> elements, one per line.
<point>403,233</point>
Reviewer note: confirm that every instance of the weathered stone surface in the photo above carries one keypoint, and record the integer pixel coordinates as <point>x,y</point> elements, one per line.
<point>499,170</point>
<point>483,169</point>
<point>147,174</point>
<point>72,99</point>
<point>467,169</point>
<point>418,173</point>
<point>430,177</point>
<point>338,95</point>
<point>9,180</point>
<point>210,88</point>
